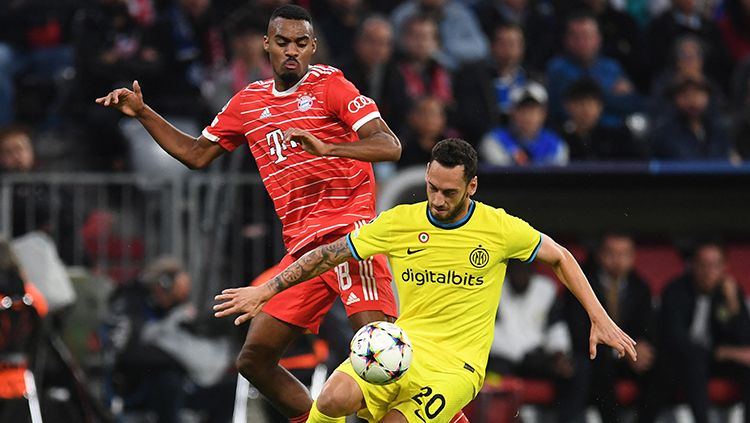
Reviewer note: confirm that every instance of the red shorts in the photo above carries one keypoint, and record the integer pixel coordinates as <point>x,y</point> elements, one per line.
<point>362,285</point>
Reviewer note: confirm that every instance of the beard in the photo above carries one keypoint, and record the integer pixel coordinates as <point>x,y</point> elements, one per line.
<point>290,78</point>
<point>452,214</point>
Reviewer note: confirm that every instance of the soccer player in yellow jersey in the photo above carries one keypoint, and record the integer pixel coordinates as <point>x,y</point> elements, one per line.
<point>448,257</point>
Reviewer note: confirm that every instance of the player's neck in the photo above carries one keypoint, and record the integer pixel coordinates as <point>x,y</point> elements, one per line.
<point>282,85</point>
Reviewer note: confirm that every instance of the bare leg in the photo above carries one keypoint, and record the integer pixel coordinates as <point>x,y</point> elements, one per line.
<point>394,416</point>
<point>340,396</point>
<point>267,340</point>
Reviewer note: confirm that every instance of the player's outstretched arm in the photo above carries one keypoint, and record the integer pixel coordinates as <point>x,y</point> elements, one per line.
<point>195,153</point>
<point>377,143</point>
<point>248,301</point>
<point>603,329</point>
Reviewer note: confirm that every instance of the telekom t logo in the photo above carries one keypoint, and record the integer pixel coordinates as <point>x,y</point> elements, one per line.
<point>277,146</point>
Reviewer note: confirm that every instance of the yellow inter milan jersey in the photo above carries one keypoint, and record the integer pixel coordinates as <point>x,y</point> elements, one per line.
<point>449,278</point>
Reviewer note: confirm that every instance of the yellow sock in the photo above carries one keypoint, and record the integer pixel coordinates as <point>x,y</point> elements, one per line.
<point>317,417</point>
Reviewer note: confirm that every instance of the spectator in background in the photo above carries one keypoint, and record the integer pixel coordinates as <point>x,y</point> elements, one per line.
<point>689,129</point>
<point>192,48</point>
<point>535,18</point>
<point>583,58</point>
<point>248,60</point>
<point>339,25</point>
<point>531,339</point>
<point>419,73</point>
<point>586,138</point>
<point>684,18</point>
<point>31,202</point>
<point>622,40</point>
<point>482,89</point>
<point>741,106</point>
<point>110,47</point>
<point>627,299</point>
<point>687,63</point>
<point>705,332</point>
<point>157,352</point>
<point>22,311</point>
<point>460,36</point>
<point>35,46</point>
<point>734,24</point>
<point>525,140</point>
<point>371,68</point>
<point>16,150</point>
<point>426,126</point>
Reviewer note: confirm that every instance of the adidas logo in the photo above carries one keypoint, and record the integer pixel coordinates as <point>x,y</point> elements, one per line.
<point>266,113</point>
<point>352,299</point>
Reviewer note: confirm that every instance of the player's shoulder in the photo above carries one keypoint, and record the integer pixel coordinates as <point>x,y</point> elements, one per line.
<point>495,215</point>
<point>488,211</point>
<point>321,73</point>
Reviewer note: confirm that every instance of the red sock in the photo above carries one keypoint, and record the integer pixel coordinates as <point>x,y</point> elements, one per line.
<point>303,418</point>
<point>460,417</point>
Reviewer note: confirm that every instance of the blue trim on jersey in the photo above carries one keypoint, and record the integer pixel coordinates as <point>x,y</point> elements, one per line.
<point>453,225</point>
<point>351,248</point>
<point>536,250</point>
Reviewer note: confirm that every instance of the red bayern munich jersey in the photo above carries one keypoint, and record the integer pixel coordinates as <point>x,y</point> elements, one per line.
<point>313,196</point>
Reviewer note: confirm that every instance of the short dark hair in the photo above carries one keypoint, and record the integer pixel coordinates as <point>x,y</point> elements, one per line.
<point>452,152</point>
<point>579,16</point>
<point>291,11</point>
<point>706,242</point>
<point>506,26</point>
<point>584,89</point>
<point>417,18</point>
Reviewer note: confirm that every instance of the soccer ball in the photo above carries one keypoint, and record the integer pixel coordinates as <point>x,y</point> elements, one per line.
<point>380,353</point>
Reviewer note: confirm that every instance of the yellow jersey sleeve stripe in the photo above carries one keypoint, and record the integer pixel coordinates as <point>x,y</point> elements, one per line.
<point>351,247</point>
<point>536,250</point>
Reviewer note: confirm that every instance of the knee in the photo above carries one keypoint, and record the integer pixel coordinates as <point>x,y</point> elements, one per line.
<point>251,363</point>
<point>338,399</point>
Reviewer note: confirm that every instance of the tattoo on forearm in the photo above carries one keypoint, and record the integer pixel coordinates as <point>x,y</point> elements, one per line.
<point>312,264</point>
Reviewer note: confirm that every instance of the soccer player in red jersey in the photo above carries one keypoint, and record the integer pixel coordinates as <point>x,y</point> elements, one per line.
<point>313,136</point>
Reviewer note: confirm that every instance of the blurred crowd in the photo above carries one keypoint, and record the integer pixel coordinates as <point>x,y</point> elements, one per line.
<point>525,81</point>
<point>694,329</point>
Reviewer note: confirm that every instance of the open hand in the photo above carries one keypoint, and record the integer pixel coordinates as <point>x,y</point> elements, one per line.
<point>608,333</point>
<point>126,101</point>
<point>309,142</point>
<point>247,302</point>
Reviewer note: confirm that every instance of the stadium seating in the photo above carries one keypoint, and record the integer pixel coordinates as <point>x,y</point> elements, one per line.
<point>658,263</point>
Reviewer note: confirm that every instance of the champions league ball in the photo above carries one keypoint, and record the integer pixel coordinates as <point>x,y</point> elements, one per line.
<point>380,353</point>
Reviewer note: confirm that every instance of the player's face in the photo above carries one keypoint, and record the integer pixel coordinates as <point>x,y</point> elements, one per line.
<point>290,44</point>
<point>448,192</point>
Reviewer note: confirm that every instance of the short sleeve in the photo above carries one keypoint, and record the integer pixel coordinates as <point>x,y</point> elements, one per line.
<point>372,238</point>
<point>344,100</point>
<point>522,242</point>
<point>226,128</point>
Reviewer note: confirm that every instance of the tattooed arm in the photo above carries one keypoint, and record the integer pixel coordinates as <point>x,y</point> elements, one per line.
<point>248,301</point>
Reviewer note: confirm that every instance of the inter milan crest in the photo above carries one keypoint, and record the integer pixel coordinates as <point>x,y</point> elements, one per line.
<point>479,257</point>
<point>304,103</point>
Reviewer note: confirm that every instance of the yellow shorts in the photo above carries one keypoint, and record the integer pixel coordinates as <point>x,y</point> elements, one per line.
<point>421,395</point>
